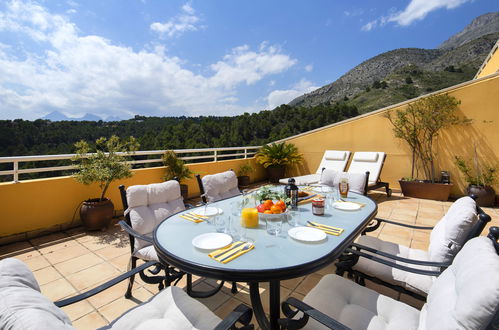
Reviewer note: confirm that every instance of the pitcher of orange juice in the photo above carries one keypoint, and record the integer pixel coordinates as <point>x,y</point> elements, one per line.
<point>249,217</point>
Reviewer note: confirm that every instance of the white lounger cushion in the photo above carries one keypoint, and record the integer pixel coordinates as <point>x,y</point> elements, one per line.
<point>449,234</point>
<point>358,307</point>
<point>332,159</point>
<point>367,161</point>
<point>464,296</point>
<point>150,204</point>
<point>356,181</point>
<point>220,186</point>
<point>414,282</point>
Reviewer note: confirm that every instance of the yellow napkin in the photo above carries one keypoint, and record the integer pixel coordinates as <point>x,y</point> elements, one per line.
<point>325,228</point>
<point>230,252</point>
<point>187,217</point>
<point>305,201</point>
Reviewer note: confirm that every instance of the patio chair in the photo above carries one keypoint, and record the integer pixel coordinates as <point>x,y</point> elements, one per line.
<point>464,296</point>
<point>412,271</point>
<point>372,162</point>
<point>218,186</point>
<point>333,159</point>
<point>145,207</point>
<point>22,306</point>
<point>356,181</point>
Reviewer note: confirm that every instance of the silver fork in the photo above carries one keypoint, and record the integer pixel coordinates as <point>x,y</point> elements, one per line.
<point>247,246</point>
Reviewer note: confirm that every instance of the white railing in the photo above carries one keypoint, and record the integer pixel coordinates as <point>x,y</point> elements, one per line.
<point>215,154</point>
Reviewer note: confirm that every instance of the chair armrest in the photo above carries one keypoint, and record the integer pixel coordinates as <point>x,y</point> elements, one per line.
<point>380,220</point>
<point>188,205</point>
<point>394,257</point>
<point>242,314</point>
<point>393,264</point>
<point>135,234</point>
<point>102,287</point>
<point>308,311</point>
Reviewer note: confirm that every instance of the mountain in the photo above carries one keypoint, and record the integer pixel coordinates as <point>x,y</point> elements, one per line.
<point>55,116</point>
<point>88,117</point>
<point>482,25</point>
<point>58,116</point>
<point>457,60</point>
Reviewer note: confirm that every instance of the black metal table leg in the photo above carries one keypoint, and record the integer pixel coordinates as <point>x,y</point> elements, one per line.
<point>256,304</point>
<point>274,303</point>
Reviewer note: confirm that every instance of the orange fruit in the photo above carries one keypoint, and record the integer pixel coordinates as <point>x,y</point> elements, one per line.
<point>267,212</point>
<point>282,205</point>
<point>268,204</point>
<point>275,209</point>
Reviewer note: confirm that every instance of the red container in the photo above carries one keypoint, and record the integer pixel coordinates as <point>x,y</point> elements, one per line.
<point>318,206</point>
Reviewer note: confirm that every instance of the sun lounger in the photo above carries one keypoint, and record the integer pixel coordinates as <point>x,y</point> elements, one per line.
<point>371,162</point>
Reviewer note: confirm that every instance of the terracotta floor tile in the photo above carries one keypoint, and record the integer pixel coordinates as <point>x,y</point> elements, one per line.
<point>90,321</point>
<point>419,245</point>
<point>382,289</point>
<point>20,250</point>
<point>292,283</point>
<point>77,264</point>
<point>394,230</point>
<point>214,301</point>
<point>110,252</point>
<point>58,289</point>
<point>117,307</point>
<point>65,254</point>
<point>36,263</point>
<point>90,277</point>
<point>397,239</point>
<point>121,262</point>
<point>308,283</point>
<point>46,275</point>
<point>77,310</point>
<point>49,239</point>
<point>109,295</point>
<point>331,269</point>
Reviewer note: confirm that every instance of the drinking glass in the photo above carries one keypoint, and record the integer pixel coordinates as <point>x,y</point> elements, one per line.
<point>293,218</point>
<point>274,225</point>
<point>219,222</point>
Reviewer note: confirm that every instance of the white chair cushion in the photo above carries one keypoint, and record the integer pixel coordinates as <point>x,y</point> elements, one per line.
<point>356,181</point>
<point>148,205</point>
<point>358,307</point>
<point>465,295</point>
<point>449,234</point>
<point>172,308</point>
<point>147,253</point>
<point>367,161</point>
<point>220,186</point>
<point>413,282</point>
<point>334,159</point>
<point>22,306</point>
<point>303,180</point>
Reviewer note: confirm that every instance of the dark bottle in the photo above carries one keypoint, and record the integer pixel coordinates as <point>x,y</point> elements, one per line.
<point>291,191</point>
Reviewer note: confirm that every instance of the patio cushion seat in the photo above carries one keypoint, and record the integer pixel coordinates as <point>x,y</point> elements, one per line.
<point>356,181</point>
<point>303,180</point>
<point>363,161</point>
<point>147,253</point>
<point>220,186</point>
<point>408,280</point>
<point>358,307</point>
<point>22,307</point>
<point>446,239</point>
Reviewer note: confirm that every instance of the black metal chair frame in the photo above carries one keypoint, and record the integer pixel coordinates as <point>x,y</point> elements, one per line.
<point>378,184</point>
<point>171,275</point>
<point>292,306</point>
<point>351,256</point>
<point>241,313</point>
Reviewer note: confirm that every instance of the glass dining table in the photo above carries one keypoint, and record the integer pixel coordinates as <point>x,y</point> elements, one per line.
<point>274,257</point>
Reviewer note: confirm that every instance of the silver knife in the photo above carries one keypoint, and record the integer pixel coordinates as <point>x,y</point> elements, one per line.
<point>248,245</point>
<point>306,197</point>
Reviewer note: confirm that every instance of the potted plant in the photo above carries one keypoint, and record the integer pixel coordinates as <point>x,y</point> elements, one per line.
<point>102,164</point>
<point>480,179</point>
<point>419,124</point>
<point>176,170</point>
<point>276,156</point>
<point>243,179</point>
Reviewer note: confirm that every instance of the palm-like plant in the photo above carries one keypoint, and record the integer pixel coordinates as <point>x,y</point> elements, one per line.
<point>278,154</point>
<point>175,167</point>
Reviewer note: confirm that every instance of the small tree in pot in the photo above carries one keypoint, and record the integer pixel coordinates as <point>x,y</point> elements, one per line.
<point>276,156</point>
<point>480,179</point>
<point>101,164</point>
<point>176,170</point>
<point>243,179</point>
<point>419,124</point>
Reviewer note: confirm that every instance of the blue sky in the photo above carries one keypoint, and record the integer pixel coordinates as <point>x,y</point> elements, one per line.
<point>170,58</point>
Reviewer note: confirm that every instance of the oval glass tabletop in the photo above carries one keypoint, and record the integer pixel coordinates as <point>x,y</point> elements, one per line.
<point>278,257</point>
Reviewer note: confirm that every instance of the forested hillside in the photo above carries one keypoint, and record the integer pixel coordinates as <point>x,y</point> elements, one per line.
<point>42,137</point>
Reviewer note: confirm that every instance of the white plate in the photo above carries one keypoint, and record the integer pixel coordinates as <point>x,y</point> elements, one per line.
<point>307,234</point>
<point>346,206</point>
<point>209,212</point>
<point>211,241</point>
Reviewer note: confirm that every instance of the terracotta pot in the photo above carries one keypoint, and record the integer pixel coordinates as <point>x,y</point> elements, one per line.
<point>486,195</point>
<point>243,181</point>
<point>426,190</point>
<point>275,173</point>
<point>96,214</point>
<point>184,191</point>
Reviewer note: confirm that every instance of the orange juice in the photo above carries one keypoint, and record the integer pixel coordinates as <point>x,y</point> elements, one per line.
<point>249,217</point>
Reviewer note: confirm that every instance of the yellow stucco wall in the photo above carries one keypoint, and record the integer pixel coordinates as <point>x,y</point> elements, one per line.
<point>373,132</point>
<point>491,64</point>
<point>38,204</point>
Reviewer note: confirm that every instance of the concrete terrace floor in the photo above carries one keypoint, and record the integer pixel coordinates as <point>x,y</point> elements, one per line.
<point>73,261</point>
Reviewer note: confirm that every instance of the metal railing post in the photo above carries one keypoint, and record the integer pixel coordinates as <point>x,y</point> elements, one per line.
<point>16,171</point>
<point>245,153</point>
<point>215,154</point>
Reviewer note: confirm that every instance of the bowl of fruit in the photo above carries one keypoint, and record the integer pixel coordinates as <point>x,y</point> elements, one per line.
<point>270,209</point>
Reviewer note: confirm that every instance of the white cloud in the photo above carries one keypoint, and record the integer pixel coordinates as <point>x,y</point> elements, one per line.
<point>78,74</point>
<point>185,21</point>
<point>278,97</point>
<point>416,10</point>
<point>309,67</point>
